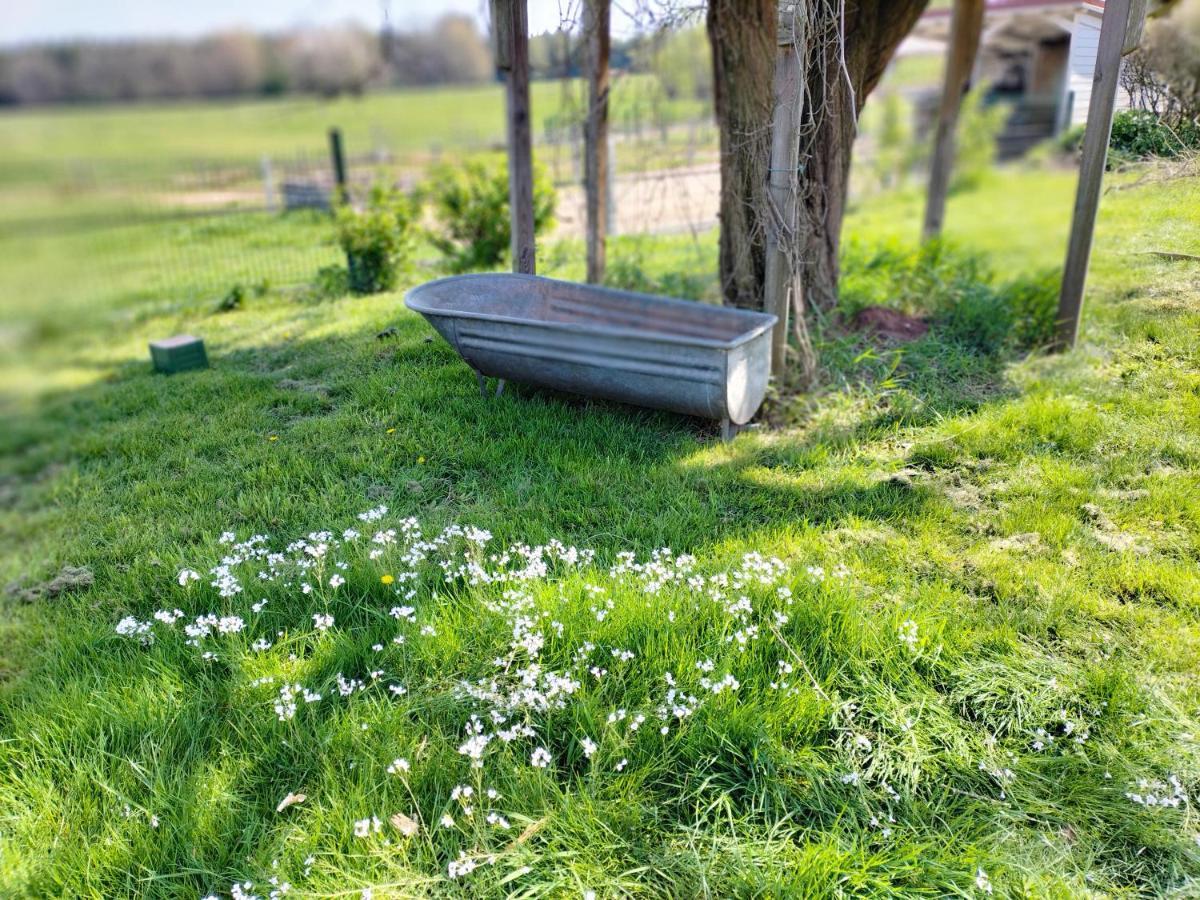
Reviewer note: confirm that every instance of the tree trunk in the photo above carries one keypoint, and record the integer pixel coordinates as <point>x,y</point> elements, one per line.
<point>840,75</point>
<point>966,26</point>
<point>596,34</point>
<point>510,23</point>
<point>742,36</point>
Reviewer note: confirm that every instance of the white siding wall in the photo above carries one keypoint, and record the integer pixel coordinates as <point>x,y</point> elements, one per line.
<point>1081,67</point>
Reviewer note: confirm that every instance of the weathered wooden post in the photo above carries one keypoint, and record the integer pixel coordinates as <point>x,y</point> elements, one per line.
<point>782,286</point>
<point>339,166</point>
<point>1116,38</point>
<point>966,25</point>
<point>596,29</point>
<point>510,26</point>
<point>268,178</point>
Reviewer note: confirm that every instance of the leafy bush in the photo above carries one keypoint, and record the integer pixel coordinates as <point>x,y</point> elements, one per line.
<point>329,283</point>
<point>990,319</point>
<point>979,128</point>
<point>895,153</point>
<point>957,291</point>
<point>904,277</point>
<point>232,300</point>
<point>1071,139</point>
<point>471,204</point>
<point>1139,134</point>
<point>629,272</point>
<point>377,240</point>
<point>1032,303</point>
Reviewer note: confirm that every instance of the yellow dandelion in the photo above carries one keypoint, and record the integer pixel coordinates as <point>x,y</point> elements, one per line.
<point>386,579</point>
<point>391,431</point>
<point>273,437</point>
<point>420,459</point>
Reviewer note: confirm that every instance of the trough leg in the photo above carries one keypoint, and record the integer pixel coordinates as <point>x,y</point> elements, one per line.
<point>729,430</point>
<point>500,382</point>
<point>482,383</point>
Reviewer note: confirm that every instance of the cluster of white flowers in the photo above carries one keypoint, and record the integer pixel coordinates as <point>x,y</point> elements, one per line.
<point>1152,792</point>
<point>131,627</point>
<point>539,667</point>
<point>535,672</point>
<point>908,634</point>
<point>366,827</point>
<point>982,881</point>
<point>464,865</point>
<point>1069,731</point>
<point>286,703</point>
<point>373,515</point>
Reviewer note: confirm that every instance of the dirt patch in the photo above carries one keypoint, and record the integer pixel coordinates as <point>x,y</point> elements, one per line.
<point>891,325</point>
<point>69,578</point>
<point>307,387</point>
<point>1106,532</point>
<point>1028,541</point>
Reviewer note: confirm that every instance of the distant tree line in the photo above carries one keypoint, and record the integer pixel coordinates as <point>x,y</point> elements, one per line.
<point>326,61</point>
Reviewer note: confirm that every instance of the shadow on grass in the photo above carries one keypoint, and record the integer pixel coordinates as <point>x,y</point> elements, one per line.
<point>290,436</point>
<point>130,473</point>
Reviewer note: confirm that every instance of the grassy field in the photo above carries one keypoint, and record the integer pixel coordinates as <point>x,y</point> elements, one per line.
<point>406,122</point>
<point>971,670</point>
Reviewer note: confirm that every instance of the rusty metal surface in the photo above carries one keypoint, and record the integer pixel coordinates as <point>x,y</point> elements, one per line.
<point>677,355</point>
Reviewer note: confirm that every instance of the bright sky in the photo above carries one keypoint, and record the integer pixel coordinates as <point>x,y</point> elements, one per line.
<point>24,21</point>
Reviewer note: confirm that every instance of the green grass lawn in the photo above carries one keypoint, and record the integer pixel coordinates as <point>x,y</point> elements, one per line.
<point>971,670</point>
<point>154,137</point>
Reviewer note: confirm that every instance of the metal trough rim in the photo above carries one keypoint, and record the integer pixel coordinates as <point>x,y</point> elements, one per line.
<point>765,321</point>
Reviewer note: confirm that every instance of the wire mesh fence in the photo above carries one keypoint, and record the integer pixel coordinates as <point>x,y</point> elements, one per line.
<point>195,227</point>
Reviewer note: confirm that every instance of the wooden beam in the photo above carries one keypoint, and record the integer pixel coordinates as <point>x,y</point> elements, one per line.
<point>966,25</point>
<point>1113,32</point>
<point>596,28</point>
<point>781,194</point>
<point>782,283</point>
<point>1138,10</point>
<point>510,26</point>
<point>338,160</point>
<point>501,33</point>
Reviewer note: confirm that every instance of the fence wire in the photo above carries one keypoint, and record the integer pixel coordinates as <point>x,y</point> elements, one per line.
<point>194,228</point>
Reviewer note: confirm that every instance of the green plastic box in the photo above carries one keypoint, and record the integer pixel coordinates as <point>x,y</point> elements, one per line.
<point>178,354</point>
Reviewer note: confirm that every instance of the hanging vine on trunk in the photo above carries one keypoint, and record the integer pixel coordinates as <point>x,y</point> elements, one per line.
<point>846,48</point>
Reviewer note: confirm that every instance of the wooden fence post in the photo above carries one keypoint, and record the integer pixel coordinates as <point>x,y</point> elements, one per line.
<point>966,26</point>
<point>510,23</point>
<point>268,178</point>
<point>782,286</point>
<point>596,25</point>
<point>339,166</point>
<point>1114,30</point>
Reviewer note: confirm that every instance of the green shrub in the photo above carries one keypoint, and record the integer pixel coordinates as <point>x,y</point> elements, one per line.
<point>232,300</point>
<point>470,201</point>
<point>1071,139</point>
<point>895,153</point>
<point>377,240</point>
<point>979,127</point>
<point>1139,134</point>
<point>629,272</point>
<point>991,319</point>
<point>1032,302</point>
<point>329,283</point>
<point>904,277</point>
<point>956,291</point>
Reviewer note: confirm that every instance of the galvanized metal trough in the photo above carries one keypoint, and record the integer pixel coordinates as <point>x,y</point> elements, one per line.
<point>678,355</point>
